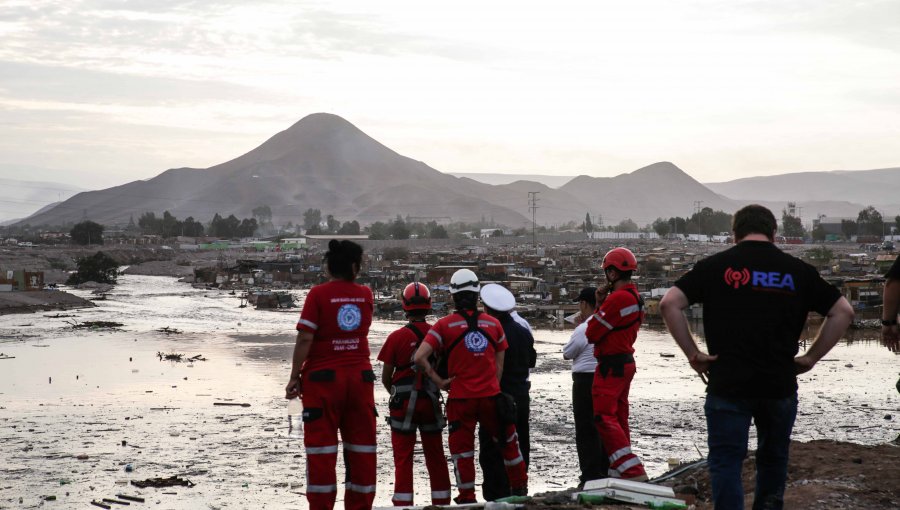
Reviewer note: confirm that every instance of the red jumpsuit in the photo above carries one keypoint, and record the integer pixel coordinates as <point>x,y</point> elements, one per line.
<point>472,398</point>
<point>426,416</point>
<point>337,385</point>
<point>613,330</point>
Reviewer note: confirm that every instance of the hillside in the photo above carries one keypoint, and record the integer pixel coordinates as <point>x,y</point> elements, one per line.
<point>869,187</point>
<point>30,197</point>
<point>321,162</point>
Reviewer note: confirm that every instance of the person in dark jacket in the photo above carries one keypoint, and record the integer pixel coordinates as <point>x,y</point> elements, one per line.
<point>520,357</point>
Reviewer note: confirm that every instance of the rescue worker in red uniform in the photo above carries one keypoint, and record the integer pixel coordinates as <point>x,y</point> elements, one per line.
<point>473,345</point>
<point>333,376</point>
<point>612,330</point>
<point>415,403</point>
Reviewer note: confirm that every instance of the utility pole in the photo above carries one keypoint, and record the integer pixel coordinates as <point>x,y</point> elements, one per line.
<point>697,206</point>
<point>533,207</point>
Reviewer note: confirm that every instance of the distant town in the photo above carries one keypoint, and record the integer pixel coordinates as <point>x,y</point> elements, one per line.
<point>544,266</point>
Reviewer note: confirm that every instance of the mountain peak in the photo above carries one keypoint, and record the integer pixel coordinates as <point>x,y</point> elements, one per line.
<point>658,169</point>
<point>321,121</point>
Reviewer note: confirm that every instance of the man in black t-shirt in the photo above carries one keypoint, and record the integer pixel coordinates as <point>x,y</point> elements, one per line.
<point>890,334</point>
<point>755,303</point>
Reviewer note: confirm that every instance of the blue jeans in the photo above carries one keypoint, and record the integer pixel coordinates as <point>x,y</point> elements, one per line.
<point>728,426</point>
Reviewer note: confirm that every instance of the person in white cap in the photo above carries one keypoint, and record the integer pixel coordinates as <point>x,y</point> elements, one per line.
<point>473,346</point>
<point>519,358</point>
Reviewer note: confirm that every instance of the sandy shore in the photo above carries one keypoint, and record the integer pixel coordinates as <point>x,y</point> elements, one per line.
<point>40,300</point>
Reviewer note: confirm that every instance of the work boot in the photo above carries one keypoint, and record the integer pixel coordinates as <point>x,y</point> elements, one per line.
<point>519,491</point>
<point>459,500</point>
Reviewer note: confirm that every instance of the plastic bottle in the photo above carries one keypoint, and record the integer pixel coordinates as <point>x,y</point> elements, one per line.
<point>295,418</point>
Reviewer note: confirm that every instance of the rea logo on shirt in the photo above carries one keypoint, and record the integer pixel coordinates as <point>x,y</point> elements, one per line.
<point>768,280</point>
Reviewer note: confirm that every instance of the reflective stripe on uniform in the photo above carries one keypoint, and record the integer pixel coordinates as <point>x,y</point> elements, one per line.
<point>402,496</point>
<point>517,460</point>
<point>321,489</point>
<point>457,324</point>
<point>628,310</point>
<point>436,335</point>
<point>362,489</point>
<point>310,324</point>
<point>515,435</point>
<point>470,485</point>
<point>359,448</point>
<point>601,321</point>
<point>630,463</point>
<point>314,450</point>
<point>463,455</point>
<point>439,495</point>
<point>618,454</point>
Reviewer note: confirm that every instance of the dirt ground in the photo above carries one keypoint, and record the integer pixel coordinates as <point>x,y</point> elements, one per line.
<point>41,300</point>
<point>823,474</point>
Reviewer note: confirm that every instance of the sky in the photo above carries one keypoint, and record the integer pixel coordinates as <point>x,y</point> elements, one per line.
<point>96,93</point>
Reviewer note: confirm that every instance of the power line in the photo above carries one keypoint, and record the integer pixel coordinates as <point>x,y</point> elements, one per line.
<point>532,205</point>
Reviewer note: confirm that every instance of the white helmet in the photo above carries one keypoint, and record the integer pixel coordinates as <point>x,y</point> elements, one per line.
<point>464,279</point>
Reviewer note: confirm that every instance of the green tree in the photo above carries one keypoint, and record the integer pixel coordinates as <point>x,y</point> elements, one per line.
<point>333,224</point>
<point>587,226</point>
<point>791,226</point>
<point>148,223</point>
<point>378,230</point>
<point>350,228</point>
<point>312,218</point>
<point>869,222</point>
<point>848,228</point>
<point>99,267</point>
<point>87,232</point>
<point>398,229</point>
<point>246,228</point>
<point>627,225</point>
<point>818,232</point>
<point>436,231</point>
<point>662,227</point>
<point>263,214</point>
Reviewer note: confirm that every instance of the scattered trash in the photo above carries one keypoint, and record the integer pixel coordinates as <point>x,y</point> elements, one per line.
<point>235,404</point>
<point>82,456</point>
<point>178,358</point>
<point>666,355</point>
<point>101,505</point>
<point>172,481</point>
<point>4,356</point>
<point>49,498</point>
<point>95,325</point>
<point>126,497</point>
<point>115,501</point>
<point>64,481</point>
<point>129,468</point>
<point>169,331</point>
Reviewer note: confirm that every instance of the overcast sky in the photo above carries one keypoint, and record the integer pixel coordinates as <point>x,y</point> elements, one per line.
<point>111,91</point>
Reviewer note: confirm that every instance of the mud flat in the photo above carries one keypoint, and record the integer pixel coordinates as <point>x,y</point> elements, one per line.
<point>40,300</point>
<point>85,412</point>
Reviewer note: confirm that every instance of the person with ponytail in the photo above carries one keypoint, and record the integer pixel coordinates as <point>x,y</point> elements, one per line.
<point>333,376</point>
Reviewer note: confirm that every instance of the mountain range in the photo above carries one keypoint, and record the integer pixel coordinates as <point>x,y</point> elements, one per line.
<point>324,162</point>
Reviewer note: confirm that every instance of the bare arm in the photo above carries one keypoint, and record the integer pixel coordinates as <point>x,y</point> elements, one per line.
<point>421,360</point>
<point>671,307</point>
<point>387,376</point>
<point>890,335</point>
<point>836,323</point>
<point>498,361</point>
<point>301,352</point>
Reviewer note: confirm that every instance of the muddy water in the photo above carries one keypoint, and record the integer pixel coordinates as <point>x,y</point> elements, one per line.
<point>73,392</point>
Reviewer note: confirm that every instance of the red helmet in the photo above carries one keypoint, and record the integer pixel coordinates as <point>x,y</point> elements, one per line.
<point>619,258</point>
<point>416,296</point>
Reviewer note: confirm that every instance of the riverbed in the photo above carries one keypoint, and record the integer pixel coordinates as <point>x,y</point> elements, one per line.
<point>106,395</point>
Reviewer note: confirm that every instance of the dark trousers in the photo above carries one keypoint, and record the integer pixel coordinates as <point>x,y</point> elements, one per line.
<point>728,425</point>
<point>496,483</point>
<point>591,456</point>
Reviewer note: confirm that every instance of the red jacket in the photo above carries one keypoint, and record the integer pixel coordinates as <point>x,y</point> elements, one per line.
<point>621,308</point>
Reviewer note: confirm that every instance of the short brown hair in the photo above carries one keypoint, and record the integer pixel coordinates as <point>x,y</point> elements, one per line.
<point>754,219</point>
